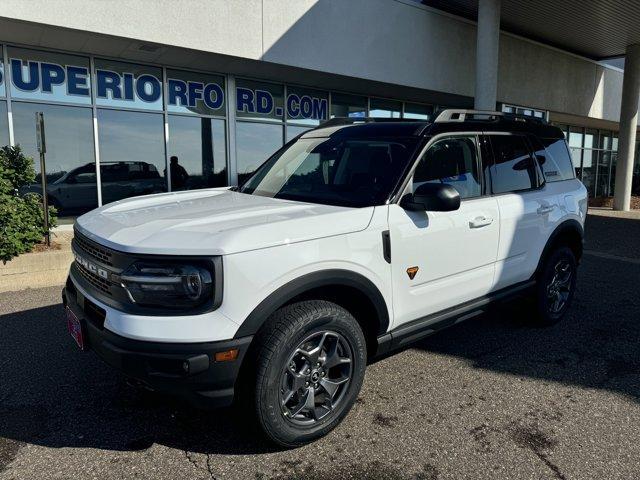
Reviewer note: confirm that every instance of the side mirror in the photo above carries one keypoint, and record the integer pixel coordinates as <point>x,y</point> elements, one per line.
<point>433,197</point>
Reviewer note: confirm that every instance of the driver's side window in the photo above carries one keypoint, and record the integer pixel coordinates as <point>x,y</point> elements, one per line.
<point>454,161</point>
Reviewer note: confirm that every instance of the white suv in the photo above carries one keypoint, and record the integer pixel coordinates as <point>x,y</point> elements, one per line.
<point>356,238</point>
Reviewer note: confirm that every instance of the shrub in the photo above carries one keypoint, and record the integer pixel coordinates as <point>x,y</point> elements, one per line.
<point>21,215</point>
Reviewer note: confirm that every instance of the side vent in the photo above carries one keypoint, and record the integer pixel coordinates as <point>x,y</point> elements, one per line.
<point>386,246</point>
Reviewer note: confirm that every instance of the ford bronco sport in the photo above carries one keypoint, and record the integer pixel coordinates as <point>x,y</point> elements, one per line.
<point>354,239</point>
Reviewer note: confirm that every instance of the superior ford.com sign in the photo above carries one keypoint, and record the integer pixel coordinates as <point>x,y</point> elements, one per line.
<point>138,89</point>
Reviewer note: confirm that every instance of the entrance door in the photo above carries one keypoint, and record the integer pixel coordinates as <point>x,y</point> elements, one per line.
<point>454,252</point>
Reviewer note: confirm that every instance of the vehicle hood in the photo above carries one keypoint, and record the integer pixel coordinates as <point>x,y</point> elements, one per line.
<point>214,222</point>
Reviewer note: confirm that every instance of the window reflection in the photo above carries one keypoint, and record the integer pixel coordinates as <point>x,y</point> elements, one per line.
<point>383,108</point>
<point>132,160</point>
<point>348,105</point>
<point>4,124</point>
<point>197,153</point>
<point>418,111</point>
<point>255,142</point>
<point>293,131</point>
<point>70,160</point>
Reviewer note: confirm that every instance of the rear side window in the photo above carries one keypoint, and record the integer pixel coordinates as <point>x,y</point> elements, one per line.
<point>554,159</point>
<point>514,168</point>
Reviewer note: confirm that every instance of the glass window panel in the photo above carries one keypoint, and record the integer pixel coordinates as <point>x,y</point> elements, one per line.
<point>380,107</point>
<point>70,157</point>
<point>575,137</point>
<point>343,105</point>
<point>4,124</point>
<point>122,84</point>
<point>614,143</point>
<point>293,131</point>
<point>590,138</point>
<point>514,169</point>
<point>3,91</point>
<point>418,111</point>
<point>50,77</point>
<point>132,160</point>
<point>259,100</point>
<point>198,93</point>
<point>307,106</point>
<point>452,161</point>
<point>197,153</point>
<point>605,140</point>
<point>255,143</point>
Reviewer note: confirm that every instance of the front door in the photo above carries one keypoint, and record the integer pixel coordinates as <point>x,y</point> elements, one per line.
<point>455,252</point>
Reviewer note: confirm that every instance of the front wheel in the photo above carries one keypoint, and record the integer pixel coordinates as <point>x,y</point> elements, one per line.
<point>556,286</point>
<point>311,363</point>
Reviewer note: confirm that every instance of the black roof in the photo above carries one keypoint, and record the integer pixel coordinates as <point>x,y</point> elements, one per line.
<point>387,127</point>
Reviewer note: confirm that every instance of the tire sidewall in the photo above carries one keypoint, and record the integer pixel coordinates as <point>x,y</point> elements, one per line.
<point>330,317</point>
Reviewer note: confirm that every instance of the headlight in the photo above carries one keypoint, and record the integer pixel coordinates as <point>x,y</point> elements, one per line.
<point>168,285</point>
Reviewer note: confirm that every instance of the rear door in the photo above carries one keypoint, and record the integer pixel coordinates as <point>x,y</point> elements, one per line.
<point>454,252</point>
<point>527,207</point>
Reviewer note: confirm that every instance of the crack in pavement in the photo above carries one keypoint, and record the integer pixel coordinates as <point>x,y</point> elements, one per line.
<point>194,462</point>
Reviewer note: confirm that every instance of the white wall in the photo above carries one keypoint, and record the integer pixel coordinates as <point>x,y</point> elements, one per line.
<point>383,40</point>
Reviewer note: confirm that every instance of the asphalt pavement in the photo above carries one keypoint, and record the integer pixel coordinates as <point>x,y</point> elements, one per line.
<point>495,397</point>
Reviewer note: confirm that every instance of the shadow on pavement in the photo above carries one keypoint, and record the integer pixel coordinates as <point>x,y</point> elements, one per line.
<point>54,395</point>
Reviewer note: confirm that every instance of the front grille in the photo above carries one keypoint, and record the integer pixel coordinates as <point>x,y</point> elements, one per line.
<point>100,283</point>
<point>93,250</point>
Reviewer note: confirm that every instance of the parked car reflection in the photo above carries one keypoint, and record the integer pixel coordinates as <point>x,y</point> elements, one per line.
<point>76,191</point>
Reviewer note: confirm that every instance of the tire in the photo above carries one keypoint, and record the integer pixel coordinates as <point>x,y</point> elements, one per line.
<point>555,286</point>
<point>287,381</point>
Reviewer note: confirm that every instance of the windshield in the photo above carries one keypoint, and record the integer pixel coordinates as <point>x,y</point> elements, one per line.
<point>334,171</point>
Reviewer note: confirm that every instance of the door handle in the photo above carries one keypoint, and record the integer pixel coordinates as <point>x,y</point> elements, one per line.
<point>480,222</point>
<point>545,209</point>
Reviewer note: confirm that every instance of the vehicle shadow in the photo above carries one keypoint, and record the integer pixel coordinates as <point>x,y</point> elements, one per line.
<point>53,394</point>
<point>596,346</point>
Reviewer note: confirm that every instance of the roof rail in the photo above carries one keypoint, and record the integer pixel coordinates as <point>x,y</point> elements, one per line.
<point>335,121</point>
<point>460,115</point>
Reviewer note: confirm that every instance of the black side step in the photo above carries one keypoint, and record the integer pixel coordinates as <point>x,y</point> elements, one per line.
<point>423,327</point>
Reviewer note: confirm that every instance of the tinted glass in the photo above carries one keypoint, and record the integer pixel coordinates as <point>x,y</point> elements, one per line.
<point>132,160</point>
<point>70,152</point>
<point>255,142</point>
<point>259,100</point>
<point>4,124</point>
<point>197,153</point>
<point>453,161</point>
<point>380,107</point>
<point>554,159</point>
<point>514,168</point>
<point>50,77</point>
<point>191,92</point>
<point>418,111</point>
<point>3,90</point>
<point>348,105</point>
<point>346,172</point>
<point>307,106</point>
<point>122,84</point>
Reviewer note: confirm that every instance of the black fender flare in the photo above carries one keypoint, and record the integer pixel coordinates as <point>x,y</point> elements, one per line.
<point>310,281</point>
<point>568,226</point>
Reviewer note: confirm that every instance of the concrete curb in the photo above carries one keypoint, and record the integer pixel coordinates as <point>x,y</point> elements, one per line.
<point>38,269</point>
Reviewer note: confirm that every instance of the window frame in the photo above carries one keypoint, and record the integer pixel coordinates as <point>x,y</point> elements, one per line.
<point>540,180</point>
<point>408,178</point>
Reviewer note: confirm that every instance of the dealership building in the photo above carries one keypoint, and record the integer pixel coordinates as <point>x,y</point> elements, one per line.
<point>145,97</point>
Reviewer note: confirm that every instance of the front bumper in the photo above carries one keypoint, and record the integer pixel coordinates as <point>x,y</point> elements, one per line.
<point>186,370</point>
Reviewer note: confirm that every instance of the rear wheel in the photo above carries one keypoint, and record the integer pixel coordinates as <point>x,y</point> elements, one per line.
<point>311,363</point>
<point>556,286</point>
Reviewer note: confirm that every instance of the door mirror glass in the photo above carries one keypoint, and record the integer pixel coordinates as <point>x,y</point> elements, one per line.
<point>433,197</point>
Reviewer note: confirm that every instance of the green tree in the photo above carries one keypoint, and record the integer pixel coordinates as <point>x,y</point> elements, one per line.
<point>21,215</point>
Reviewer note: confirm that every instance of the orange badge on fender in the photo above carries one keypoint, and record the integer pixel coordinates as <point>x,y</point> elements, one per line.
<point>411,271</point>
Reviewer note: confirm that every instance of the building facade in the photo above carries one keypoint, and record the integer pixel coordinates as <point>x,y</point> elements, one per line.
<point>139,100</point>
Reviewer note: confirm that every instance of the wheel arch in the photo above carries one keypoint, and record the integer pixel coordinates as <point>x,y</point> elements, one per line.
<point>354,292</point>
<point>569,233</point>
